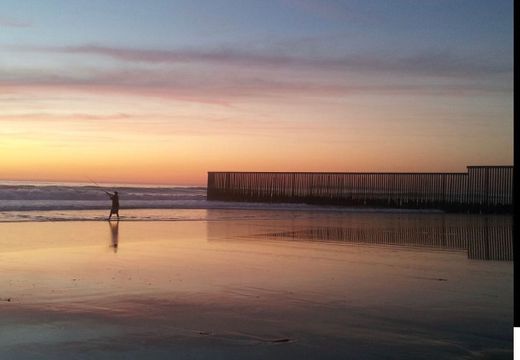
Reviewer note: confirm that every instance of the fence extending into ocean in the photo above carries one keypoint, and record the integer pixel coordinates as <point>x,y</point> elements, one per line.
<point>485,189</point>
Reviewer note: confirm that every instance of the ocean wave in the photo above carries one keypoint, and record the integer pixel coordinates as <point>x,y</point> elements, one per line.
<point>91,193</point>
<point>77,203</point>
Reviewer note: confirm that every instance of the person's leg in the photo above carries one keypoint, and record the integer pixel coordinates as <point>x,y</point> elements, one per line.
<point>117,213</point>
<point>110,216</point>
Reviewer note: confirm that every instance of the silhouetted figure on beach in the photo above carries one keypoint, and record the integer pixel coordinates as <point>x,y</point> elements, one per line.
<point>115,204</point>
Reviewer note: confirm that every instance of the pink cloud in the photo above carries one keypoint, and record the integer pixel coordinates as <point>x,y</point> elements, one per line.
<point>10,22</point>
<point>221,89</point>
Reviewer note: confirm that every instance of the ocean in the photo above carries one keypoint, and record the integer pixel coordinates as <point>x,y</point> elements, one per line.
<point>24,201</point>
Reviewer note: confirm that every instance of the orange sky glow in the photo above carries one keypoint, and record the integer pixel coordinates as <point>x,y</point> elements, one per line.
<point>316,92</point>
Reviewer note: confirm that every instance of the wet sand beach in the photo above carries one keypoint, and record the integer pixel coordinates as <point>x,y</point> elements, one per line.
<point>250,284</point>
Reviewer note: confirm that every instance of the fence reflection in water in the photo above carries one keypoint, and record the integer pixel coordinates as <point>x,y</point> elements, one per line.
<point>483,237</point>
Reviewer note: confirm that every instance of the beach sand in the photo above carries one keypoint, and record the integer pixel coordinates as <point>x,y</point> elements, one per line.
<point>347,286</point>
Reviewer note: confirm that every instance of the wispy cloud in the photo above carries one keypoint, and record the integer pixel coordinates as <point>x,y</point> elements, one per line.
<point>426,63</point>
<point>13,23</point>
<point>220,88</point>
<point>229,75</point>
<point>158,125</point>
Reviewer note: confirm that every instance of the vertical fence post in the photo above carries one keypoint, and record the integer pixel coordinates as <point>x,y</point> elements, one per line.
<point>481,188</point>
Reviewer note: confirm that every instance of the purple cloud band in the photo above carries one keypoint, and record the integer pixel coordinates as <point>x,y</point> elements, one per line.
<point>224,76</point>
<point>433,63</point>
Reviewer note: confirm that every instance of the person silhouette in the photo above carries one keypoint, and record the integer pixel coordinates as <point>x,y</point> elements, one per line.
<point>115,204</point>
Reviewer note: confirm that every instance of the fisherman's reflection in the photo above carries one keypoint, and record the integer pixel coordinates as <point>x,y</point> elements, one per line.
<point>114,231</point>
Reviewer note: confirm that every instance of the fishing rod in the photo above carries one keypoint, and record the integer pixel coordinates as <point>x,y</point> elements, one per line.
<point>95,183</point>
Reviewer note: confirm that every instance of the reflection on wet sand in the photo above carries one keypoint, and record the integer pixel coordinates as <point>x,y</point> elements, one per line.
<point>114,232</point>
<point>257,293</point>
<point>483,237</point>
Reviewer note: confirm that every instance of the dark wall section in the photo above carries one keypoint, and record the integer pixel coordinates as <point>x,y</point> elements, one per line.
<point>483,189</point>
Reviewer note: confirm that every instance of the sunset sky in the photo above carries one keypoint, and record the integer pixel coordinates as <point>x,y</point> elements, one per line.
<point>161,92</point>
